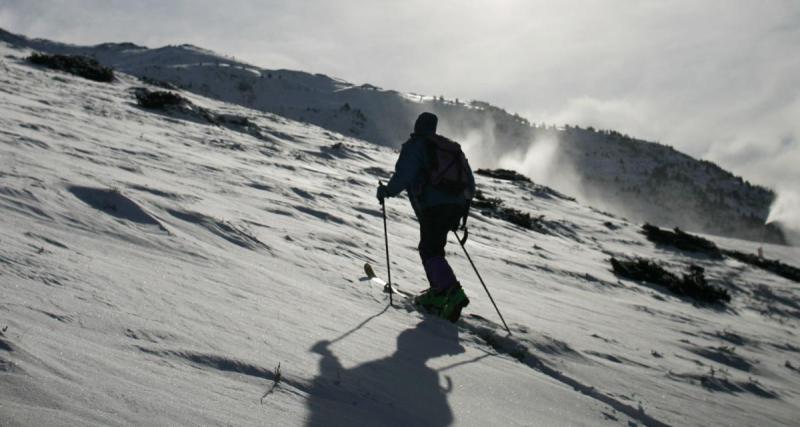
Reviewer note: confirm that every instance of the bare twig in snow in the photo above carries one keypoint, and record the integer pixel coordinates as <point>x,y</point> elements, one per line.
<point>276,381</point>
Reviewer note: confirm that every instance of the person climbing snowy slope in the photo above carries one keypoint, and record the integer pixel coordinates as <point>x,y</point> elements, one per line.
<point>439,181</point>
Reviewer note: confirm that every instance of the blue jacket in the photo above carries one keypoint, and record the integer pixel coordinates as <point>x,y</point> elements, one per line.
<point>409,175</point>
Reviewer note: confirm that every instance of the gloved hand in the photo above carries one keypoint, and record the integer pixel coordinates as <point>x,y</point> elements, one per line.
<point>382,193</point>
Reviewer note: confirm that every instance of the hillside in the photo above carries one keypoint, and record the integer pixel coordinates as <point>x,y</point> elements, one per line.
<point>640,180</point>
<point>157,268</point>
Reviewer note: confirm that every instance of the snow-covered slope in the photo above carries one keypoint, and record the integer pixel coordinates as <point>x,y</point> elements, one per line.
<point>159,270</point>
<point>640,180</point>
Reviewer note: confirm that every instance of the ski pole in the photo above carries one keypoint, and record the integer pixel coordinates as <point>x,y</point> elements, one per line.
<point>481,279</point>
<point>386,240</point>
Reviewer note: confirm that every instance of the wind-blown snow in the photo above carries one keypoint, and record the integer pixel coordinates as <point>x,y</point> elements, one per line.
<point>157,270</point>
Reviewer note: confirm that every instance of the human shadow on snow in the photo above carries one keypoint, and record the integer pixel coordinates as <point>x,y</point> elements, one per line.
<point>398,390</point>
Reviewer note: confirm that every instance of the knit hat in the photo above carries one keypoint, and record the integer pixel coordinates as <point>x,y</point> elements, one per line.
<point>426,124</point>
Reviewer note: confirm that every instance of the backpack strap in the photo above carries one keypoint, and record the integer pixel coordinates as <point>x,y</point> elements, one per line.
<point>464,222</point>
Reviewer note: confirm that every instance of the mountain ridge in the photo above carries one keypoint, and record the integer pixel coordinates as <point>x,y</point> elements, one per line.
<point>610,170</point>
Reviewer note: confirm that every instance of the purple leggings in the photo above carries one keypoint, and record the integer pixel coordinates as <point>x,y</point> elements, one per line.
<point>434,224</point>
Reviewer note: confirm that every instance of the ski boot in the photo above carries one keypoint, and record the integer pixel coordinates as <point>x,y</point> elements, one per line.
<point>455,301</point>
<point>432,300</point>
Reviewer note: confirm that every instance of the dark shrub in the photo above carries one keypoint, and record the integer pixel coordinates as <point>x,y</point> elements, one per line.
<point>482,202</point>
<point>493,207</point>
<point>784,270</point>
<point>517,217</point>
<point>685,241</point>
<point>681,240</point>
<point>693,284</point>
<point>158,100</point>
<point>506,174</point>
<point>643,269</point>
<point>159,83</point>
<point>233,120</point>
<point>174,104</point>
<point>82,66</point>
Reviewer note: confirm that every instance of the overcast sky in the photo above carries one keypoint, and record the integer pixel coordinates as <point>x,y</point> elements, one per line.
<point>719,80</point>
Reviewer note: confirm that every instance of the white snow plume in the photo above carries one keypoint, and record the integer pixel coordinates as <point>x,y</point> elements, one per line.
<point>478,143</point>
<point>541,159</point>
<point>537,163</point>
<point>545,164</point>
<point>786,211</point>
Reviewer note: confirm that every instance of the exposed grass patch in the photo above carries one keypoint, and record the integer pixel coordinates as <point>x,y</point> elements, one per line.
<point>81,66</point>
<point>691,284</point>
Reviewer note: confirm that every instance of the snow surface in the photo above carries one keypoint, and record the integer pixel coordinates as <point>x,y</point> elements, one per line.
<point>159,270</point>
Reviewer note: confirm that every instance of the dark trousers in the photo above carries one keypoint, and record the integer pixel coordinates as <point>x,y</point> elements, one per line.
<point>434,225</point>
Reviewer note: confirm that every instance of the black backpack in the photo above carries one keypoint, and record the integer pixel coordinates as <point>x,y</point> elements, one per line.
<point>448,169</point>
